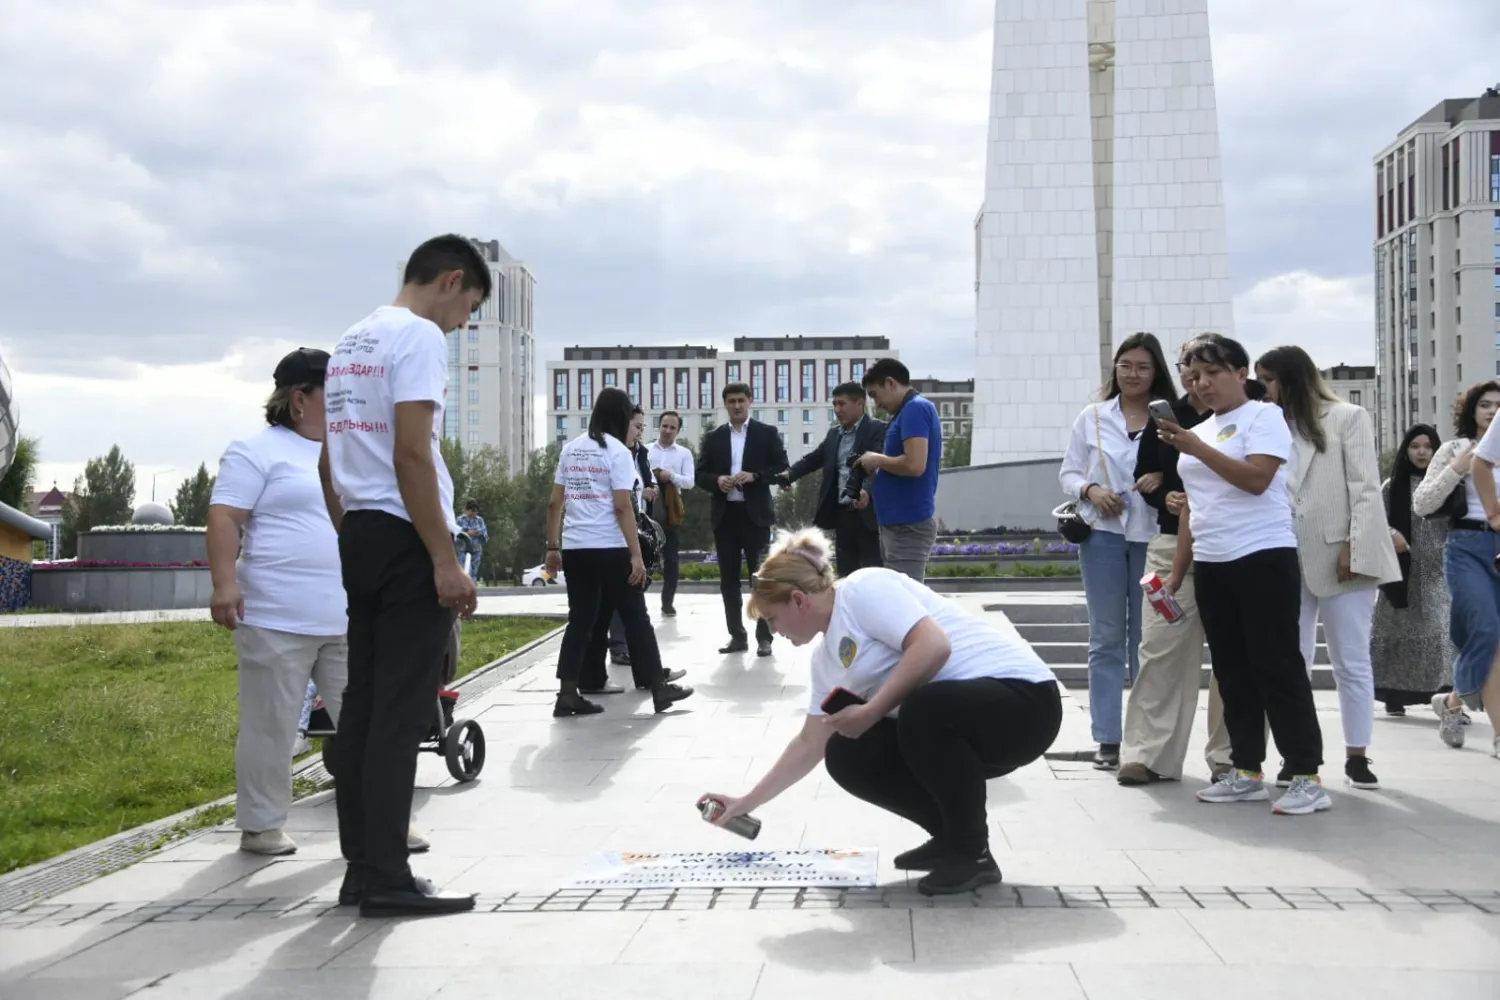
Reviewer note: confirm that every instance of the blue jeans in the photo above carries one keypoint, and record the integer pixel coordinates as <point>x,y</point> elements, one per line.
<point>1474,621</point>
<point>1112,570</point>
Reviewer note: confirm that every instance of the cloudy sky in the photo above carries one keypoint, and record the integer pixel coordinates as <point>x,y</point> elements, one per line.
<point>189,190</point>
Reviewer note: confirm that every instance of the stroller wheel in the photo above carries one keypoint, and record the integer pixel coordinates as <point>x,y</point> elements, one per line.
<point>328,756</point>
<point>463,748</point>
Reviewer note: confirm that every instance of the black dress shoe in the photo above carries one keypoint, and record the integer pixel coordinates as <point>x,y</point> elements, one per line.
<point>667,677</point>
<point>667,695</point>
<point>412,903</point>
<point>920,859</point>
<point>620,659</point>
<point>352,892</point>
<point>763,647</point>
<point>669,612</point>
<point>960,874</point>
<point>606,689</point>
<point>567,708</point>
<point>737,644</point>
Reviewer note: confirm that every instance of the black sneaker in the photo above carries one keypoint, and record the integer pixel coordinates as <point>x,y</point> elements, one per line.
<point>956,875</point>
<point>920,859</point>
<point>737,644</point>
<point>1107,757</point>
<point>1357,771</point>
<point>667,695</point>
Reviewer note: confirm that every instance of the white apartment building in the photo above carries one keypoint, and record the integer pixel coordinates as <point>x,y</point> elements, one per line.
<point>1437,264</point>
<point>955,403</point>
<point>791,382</point>
<point>491,364</point>
<point>1354,384</point>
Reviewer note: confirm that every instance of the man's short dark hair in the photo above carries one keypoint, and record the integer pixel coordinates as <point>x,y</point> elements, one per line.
<point>735,389</point>
<point>850,390</point>
<point>886,368</point>
<point>670,413</point>
<point>442,254</point>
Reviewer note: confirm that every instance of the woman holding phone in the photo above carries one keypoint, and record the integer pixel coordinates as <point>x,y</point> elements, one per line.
<point>1099,470</point>
<point>1239,538</point>
<point>915,704</point>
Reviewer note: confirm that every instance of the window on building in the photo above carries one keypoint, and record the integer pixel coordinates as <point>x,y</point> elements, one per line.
<point>473,437</point>
<point>732,372</point>
<point>966,407</point>
<point>633,384</point>
<point>757,381</point>
<point>807,416</point>
<point>473,397</point>
<point>832,378</point>
<point>807,439</point>
<point>477,314</point>
<point>474,334</point>
<point>857,371</point>
<point>707,420</point>
<point>586,389</point>
<point>473,376</point>
<point>658,388</point>
<point>611,377</point>
<point>705,388</point>
<point>781,416</point>
<point>947,410</point>
<point>560,390</point>
<point>473,416</point>
<point>1460,372</point>
<point>810,379</point>
<point>783,381</point>
<point>754,414</point>
<point>684,388</point>
<point>1354,395</point>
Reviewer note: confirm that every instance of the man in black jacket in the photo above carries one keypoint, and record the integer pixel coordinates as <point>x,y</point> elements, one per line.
<point>852,521</point>
<point>740,460</point>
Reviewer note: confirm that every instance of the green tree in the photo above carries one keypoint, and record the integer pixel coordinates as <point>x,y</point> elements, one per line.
<point>956,451</point>
<point>104,494</point>
<point>456,459</point>
<point>796,507</point>
<point>15,487</point>
<point>530,493</point>
<point>190,506</point>
<point>487,481</point>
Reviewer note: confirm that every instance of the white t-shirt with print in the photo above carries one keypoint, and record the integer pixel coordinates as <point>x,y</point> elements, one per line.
<point>874,609</point>
<point>589,475</point>
<point>1227,522</point>
<point>288,568</point>
<point>391,356</point>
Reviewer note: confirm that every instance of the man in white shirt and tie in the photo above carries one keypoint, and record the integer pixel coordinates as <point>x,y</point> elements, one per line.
<point>672,465</point>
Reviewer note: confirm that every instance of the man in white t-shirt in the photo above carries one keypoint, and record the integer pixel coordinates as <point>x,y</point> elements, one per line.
<point>391,500</point>
<point>673,465</point>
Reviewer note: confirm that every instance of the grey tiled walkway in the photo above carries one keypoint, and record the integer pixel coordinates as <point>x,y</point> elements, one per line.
<point>1110,893</point>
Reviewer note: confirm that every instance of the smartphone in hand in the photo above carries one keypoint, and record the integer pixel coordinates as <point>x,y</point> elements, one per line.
<point>839,699</point>
<point>1161,410</point>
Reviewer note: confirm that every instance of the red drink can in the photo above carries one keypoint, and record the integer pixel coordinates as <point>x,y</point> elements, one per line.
<point>1162,600</point>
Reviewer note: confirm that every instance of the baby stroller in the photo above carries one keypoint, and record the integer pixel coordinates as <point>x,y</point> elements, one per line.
<point>461,742</point>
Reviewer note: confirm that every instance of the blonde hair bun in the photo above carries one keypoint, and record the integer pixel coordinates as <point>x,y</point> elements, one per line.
<point>798,560</point>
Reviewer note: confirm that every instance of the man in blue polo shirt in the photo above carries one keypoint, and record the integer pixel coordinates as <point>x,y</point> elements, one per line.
<point>906,476</point>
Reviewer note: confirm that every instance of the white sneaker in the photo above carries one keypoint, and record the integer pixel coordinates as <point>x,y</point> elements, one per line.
<point>1306,796</point>
<point>270,842</point>
<point>415,842</point>
<point>1450,721</point>
<point>1235,786</point>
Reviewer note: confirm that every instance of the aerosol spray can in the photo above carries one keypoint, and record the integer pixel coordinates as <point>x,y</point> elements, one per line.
<point>746,826</point>
<point>1163,601</point>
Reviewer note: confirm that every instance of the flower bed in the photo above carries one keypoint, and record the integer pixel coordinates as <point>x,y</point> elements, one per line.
<point>976,549</point>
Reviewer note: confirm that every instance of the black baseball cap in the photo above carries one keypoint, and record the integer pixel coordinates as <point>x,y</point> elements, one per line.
<point>304,366</point>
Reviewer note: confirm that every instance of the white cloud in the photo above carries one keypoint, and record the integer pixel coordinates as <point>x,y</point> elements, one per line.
<point>1333,319</point>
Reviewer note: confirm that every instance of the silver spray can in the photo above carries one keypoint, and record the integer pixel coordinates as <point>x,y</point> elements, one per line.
<point>746,826</point>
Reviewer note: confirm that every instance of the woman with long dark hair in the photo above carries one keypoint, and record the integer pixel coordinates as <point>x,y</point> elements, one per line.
<point>1099,470</point>
<point>600,552</point>
<point>1409,646</point>
<point>1452,487</point>
<point>1344,544</point>
<point>1240,540</point>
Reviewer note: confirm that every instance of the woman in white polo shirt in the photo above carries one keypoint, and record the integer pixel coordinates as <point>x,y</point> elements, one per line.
<point>1241,543</point>
<point>1099,469</point>
<point>949,701</point>
<point>598,548</point>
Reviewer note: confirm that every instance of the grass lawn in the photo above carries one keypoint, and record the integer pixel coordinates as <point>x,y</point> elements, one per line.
<point>106,727</point>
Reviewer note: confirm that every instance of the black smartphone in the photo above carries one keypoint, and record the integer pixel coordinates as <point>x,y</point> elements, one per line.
<point>839,699</point>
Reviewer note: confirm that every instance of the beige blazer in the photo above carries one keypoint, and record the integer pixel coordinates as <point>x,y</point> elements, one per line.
<point>1336,500</point>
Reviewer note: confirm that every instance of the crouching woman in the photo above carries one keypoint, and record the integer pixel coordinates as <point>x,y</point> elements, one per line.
<point>945,702</point>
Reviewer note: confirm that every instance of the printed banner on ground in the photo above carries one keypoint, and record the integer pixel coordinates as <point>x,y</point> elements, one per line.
<point>841,868</point>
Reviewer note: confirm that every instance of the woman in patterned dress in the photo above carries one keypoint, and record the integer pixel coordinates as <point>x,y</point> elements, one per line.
<point>1410,644</point>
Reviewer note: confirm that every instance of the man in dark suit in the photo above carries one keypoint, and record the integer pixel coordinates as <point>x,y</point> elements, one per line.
<point>852,521</point>
<point>740,461</point>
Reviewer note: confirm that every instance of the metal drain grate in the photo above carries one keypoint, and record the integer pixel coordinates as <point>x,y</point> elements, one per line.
<point>1092,897</point>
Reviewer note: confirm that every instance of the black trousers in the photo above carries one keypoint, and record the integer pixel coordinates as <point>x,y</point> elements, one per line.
<point>599,585</point>
<point>669,565</point>
<point>1250,609</point>
<point>398,634</point>
<point>739,540</point>
<point>929,764</point>
<point>856,544</point>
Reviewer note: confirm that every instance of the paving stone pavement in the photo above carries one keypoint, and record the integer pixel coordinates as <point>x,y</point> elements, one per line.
<point>1110,893</point>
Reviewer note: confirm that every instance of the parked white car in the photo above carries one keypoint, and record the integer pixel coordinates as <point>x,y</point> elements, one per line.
<point>537,576</point>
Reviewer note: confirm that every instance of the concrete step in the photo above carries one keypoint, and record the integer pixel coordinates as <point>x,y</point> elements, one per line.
<point>1073,632</point>
<point>1075,677</point>
<point>1078,652</point>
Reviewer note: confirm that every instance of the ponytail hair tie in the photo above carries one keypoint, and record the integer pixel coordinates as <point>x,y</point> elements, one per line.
<point>818,562</point>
